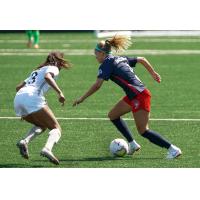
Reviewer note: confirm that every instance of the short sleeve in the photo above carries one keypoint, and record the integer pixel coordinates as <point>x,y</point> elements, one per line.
<point>26,80</point>
<point>105,71</point>
<point>132,61</point>
<point>53,69</point>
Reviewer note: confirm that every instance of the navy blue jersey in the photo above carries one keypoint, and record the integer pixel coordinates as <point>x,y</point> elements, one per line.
<point>119,69</point>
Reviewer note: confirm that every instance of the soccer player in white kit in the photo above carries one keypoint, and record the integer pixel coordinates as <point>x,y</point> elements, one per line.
<point>31,106</point>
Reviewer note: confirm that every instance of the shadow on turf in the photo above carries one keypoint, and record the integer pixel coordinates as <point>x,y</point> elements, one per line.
<point>106,158</point>
<point>19,166</point>
<point>87,159</point>
<point>93,159</point>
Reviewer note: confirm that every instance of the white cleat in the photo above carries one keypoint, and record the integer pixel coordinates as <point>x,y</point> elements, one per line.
<point>48,154</point>
<point>173,152</point>
<point>133,147</point>
<point>23,149</point>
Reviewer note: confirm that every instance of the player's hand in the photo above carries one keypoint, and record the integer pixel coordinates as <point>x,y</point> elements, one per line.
<point>156,77</point>
<point>78,101</point>
<point>61,99</point>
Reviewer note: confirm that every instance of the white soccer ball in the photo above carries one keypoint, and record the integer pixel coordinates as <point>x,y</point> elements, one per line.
<point>119,147</point>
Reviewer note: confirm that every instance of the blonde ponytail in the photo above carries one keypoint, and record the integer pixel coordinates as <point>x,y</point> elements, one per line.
<point>119,42</point>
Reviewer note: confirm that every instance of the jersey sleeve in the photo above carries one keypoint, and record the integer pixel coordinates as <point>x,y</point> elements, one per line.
<point>53,69</point>
<point>132,61</point>
<point>26,80</point>
<point>105,71</point>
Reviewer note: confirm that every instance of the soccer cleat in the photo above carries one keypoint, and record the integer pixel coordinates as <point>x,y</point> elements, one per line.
<point>133,147</point>
<point>48,154</point>
<point>23,148</point>
<point>36,46</point>
<point>173,152</point>
<point>29,44</point>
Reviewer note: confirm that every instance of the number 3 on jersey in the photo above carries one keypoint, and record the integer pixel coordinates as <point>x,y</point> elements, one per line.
<point>33,77</point>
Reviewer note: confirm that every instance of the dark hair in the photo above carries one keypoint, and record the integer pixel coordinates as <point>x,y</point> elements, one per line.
<point>57,59</point>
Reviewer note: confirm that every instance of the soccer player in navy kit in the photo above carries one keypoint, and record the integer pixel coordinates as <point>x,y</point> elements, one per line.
<point>119,69</point>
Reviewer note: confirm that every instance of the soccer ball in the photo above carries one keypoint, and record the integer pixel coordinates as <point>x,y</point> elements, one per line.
<point>119,147</point>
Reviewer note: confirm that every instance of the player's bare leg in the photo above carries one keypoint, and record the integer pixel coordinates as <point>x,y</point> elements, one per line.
<point>115,114</point>
<point>43,118</point>
<point>23,143</point>
<point>47,119</point>
<point>29,44</point>
<point>141,118</point>
<point>36,130</point>
<point>30,38</point>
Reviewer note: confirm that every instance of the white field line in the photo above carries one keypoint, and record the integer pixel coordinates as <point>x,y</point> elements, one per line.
<point>30,52</point>
<point>61,41</point>
<point>134,39</point>
<point>106,119</point>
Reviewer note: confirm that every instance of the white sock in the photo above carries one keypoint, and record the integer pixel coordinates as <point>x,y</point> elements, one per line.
<point>54,136</point>
<point>173,147</point>
<point>133,143</point>
<point>33,132</point>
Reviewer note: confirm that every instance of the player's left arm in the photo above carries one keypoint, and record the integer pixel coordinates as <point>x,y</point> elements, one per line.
<point>149,68</point>
<point>20,85</point>
<point>96,86</point>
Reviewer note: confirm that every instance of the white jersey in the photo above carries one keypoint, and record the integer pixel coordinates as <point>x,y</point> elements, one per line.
<point>36,83</point>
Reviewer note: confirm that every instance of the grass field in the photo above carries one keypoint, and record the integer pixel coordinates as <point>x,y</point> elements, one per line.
<point>85,143</point>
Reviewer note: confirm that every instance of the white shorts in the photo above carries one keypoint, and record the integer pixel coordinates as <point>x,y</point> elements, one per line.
<point>25,104</point>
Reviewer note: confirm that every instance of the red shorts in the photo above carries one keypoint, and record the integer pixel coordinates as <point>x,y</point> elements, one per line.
<point>141,101</point>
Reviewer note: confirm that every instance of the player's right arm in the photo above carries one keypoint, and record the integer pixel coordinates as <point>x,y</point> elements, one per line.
<point>96,86</point>
<point>104,74</point>
<point>49,79</point>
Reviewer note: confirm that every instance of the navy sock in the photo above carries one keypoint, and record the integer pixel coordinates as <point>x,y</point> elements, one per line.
<point>123,128</point>
<point>156,139</point>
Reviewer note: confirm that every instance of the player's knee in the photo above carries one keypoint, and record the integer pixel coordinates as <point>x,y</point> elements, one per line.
<point>141,129</point>
<point>56,126</point>
<point>111,116</point>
